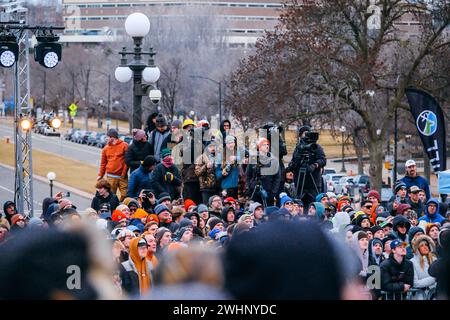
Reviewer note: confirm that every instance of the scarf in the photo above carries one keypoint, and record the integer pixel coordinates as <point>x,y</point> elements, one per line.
<point>141,266</point>
<point>167,162</point>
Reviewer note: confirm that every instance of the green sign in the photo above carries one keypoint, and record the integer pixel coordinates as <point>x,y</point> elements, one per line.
<point>73,108</point>
<point>73,113</point>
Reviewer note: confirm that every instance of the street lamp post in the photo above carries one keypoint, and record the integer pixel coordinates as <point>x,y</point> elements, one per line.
<point>116,103</point>
<point>137,26</point>
<point>219,83</point>
<point>343,129</point>
<point>51,176</point>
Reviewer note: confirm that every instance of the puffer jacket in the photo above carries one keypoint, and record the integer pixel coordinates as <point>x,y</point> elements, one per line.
<point>136,153</point>
<point>432,218</point>
<point>206,177</point>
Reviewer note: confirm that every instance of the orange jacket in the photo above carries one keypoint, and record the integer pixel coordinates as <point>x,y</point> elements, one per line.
<point>113,159</point>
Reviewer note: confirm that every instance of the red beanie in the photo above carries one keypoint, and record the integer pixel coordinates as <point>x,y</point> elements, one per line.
<point>375,194</point>
<point>188,203</point>
<point>262,141</point>
<point>118,215</point>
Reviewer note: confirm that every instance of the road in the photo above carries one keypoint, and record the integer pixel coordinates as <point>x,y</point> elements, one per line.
<point>41,190</point>
<point>59,146</point>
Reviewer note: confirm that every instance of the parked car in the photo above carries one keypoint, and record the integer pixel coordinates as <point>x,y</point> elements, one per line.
<point>39,128</point>
<point>127,139</point>
<point>101,140</point>
<point>84,137</point>
<point>386,194</point>
<point>362,187</point>
<point>76,135</point>
<point>345,186</point>
<point>48,131</point>
<point>332,179</point>
<point>329,171</point>
<point>70,133</point>
<point>92,138</point>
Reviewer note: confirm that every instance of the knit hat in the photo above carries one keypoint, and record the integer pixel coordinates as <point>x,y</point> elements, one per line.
<point>176,123</point>
<point>126,201</point>
<point>149,161</point>
<point>118,215</point>
<point>202,208</point>
<point>188,203</point>
<point>320,196</point>
<point>160,233</point>
<point>362,235</point>
<point>165,153</point>
<point>254,206</point>
<point>284,200</point>
<point>133,203</point>
<point>212,222</point>
<point>160,208</point>
<point>262,141</point>
<point>402,207</point>
<point>139,214</point>
<point>16,218</point>
<point>152,217</point>
<point>331,195</point>
<point>113,133</point>
<point>34,222</point>
<point>413,231</point>
<point>210,200</point>
<point>185,222</point>
<point>161,121</point>
<point>245,216</point>
<point>163,197</point>
<point>139,134</point>
<point>375,194</point>
<point>399,185</point>
<point>240,228</point>
<point>375,229</point>
<point>181,232</point>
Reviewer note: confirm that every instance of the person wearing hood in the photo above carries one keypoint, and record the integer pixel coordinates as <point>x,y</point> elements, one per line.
<point>257,210</point>
<point>104,195</point>
<point>113,165</point>
<point>263,175</point>
<point>9,208</point>
<point>137,151</point>
<point>362,220</point>
<point>360,245</point>
<point>340,221</point>
<point>166,177</point>
<point>413,233</point>
<point>225,128</point>
<point>423,248</point>
<point>432,212</point>
<point>228,216</point>
<point>135,272</point>
<point>158,137</point>
<point>376,251</point>
<point>205,170</point>
<point>151,243</point>
<point>400,228</point>
<point>141,178</point>
<point>397,272</point>
<point>316,210</point>
<point>150,124</point>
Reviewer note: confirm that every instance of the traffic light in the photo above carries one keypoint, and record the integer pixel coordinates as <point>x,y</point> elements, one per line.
<point>9,50</point>
<point>48,52</point>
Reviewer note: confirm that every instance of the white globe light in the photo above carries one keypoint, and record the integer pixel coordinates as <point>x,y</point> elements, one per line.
<point>7,58</point>
<point>137,25</point>
<point>50,59</point>
<point>51,176</point>
<point>123,74</point>
<point>151,74</point>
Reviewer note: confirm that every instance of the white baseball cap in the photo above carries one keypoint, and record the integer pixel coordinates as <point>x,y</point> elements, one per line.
<point>410,163</point>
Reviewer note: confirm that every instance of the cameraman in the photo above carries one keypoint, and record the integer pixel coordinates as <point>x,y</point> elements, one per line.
<point>309,155</point>
<point>279,153</point>
<point>263,175</point>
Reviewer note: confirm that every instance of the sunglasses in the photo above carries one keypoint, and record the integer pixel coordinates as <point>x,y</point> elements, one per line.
<point>289,203</point>
<point>401,225</point>
<point>368,207</point>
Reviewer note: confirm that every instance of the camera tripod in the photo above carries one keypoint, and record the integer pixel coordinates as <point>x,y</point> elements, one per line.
<point>264,201</point>
<point>303,170</point>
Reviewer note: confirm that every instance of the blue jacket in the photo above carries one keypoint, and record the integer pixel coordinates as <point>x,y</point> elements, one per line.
<point>139,179</point>
<point>434,218</point>
<point>232,179</point>
<point>419,181</point>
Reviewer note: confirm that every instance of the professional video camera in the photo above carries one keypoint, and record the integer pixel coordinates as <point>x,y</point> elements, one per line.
<point>308,149</point>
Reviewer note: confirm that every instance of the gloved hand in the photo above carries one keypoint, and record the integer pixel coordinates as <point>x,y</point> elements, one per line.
<point>312,167</point>
<point>168,177</point>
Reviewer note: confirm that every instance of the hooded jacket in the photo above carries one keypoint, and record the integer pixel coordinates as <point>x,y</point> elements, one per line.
<point>320,210</point>
<point>397,220</point>
<point>139,179</point>
<point>113,159</point>
<point>374,259</point>
<point>136,153</point>
<point>6,205</point>
<point>156,140</point>
<point>364,257</point>
<point>135,272</point>
<point>98,200</point>
<point>421,277</point>
<point>225,214</point>
<point>432,218</point>
<point>150,125</point>
<point>395,275</point>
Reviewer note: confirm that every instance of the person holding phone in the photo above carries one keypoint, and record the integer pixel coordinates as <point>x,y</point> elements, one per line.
<point>141,178</point>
